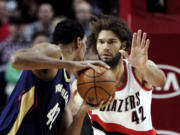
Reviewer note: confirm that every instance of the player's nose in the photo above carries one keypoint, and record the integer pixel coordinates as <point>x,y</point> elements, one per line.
<point>106,47</point>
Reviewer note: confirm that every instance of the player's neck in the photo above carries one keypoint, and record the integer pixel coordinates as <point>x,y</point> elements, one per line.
<point>119,73</point>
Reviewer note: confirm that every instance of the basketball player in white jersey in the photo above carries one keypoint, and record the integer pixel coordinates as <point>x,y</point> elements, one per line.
<point>130,112</point>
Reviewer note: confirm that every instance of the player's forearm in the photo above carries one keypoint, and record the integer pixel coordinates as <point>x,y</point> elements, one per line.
<point>152,74</point>
<point>36,61</point>
<point>76,126</point>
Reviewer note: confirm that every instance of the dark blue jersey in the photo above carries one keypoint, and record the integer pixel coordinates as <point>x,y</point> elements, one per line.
<point>35,105</point>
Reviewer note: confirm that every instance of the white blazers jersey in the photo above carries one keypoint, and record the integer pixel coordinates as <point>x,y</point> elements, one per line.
<point>129,113</point>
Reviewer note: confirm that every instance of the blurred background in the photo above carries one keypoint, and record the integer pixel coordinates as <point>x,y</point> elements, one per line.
<point>24,23</point>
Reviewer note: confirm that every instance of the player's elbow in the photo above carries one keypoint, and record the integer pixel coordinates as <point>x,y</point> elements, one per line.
<point>15,60</point>
<point>161,82</point>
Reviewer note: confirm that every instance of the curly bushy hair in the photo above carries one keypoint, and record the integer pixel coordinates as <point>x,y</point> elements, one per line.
<point>107,22</point>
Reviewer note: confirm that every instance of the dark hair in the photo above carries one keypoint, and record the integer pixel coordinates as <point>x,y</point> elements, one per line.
<point>107,22</point>
<point>45,3</point>
<point>16,20</point>
<point>67,31</point>
<point>39,33</point>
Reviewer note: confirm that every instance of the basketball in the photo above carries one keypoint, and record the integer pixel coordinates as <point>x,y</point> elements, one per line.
<point>94,87</point>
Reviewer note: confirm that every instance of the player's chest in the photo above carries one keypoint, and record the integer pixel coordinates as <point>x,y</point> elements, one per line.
<point>124,102</point>
<point>52,104</point>
<point>58,97</point>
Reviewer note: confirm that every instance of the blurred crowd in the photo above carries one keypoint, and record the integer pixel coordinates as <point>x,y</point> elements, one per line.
<point>24,23</point>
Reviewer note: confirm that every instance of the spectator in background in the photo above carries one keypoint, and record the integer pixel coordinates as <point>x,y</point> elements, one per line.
<point>12,75</point>
<point>14,42</point>
<point>56,20</point>
<point>7,48</point>
<point>29,10</point>
<point>39,37</point>
<point>83,12</point>
<point>4,26</point>
<point>107,6</point>
<point>4,33</point>
<point>12,8</point>
<point>44,22</point>
<point>157,6</point>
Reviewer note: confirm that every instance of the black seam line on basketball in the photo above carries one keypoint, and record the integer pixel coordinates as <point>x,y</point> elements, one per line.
<point>103,90</point>
<point>96,82</point>
<point>84,97</point>
<point>96,76</point>
<point>95,88</point>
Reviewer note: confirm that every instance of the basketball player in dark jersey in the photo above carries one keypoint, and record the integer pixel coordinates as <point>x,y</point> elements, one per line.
<point>37,105</point>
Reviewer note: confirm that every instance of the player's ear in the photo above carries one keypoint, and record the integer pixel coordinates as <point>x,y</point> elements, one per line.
<point>78,42</point>
<point>123,45</point>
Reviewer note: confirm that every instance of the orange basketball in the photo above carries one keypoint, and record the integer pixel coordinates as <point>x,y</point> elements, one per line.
<point>94,87</point>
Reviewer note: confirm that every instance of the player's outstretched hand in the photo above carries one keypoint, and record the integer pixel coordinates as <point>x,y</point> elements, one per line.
<point>77,66</point>
<point>87,107</point>
<point>139,50</point>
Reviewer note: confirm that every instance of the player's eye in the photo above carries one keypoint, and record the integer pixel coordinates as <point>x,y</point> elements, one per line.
<point>111,42</point>
<point>101,41</point>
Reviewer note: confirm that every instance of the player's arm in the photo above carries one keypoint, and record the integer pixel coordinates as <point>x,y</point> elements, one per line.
<point>69,126</point>
<point>47,56</point>
<point>146,70</point>
<point>76,126</point>
<point>151,74</point>
<point>65,121</point>
<point>42,56</point>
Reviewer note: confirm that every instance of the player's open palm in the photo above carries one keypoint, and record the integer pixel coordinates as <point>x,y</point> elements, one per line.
<point>139,50</point>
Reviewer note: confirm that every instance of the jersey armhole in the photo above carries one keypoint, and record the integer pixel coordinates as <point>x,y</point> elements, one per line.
<point>66,76</point>
<point>138,81</point>
<point>126,76</point>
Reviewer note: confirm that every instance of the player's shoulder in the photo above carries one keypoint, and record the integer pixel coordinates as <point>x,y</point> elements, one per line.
<point>45,45</point>
<point>48,49</point>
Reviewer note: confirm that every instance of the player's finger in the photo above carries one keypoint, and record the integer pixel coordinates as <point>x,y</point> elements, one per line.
<point>147,45</point>
<point>100,63</point>
<point>95,68</point>
<point>124,53</point>
<point>143,40</point>
<point>139,37</point>
<point>134,39</point>
<point>110,99</point>
<point>101,105</point>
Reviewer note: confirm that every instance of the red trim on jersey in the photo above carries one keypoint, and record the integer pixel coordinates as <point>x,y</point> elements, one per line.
<point>19,98</point>
<point>112,127</point>
<point>125,71</point>
<point>147,89</point>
